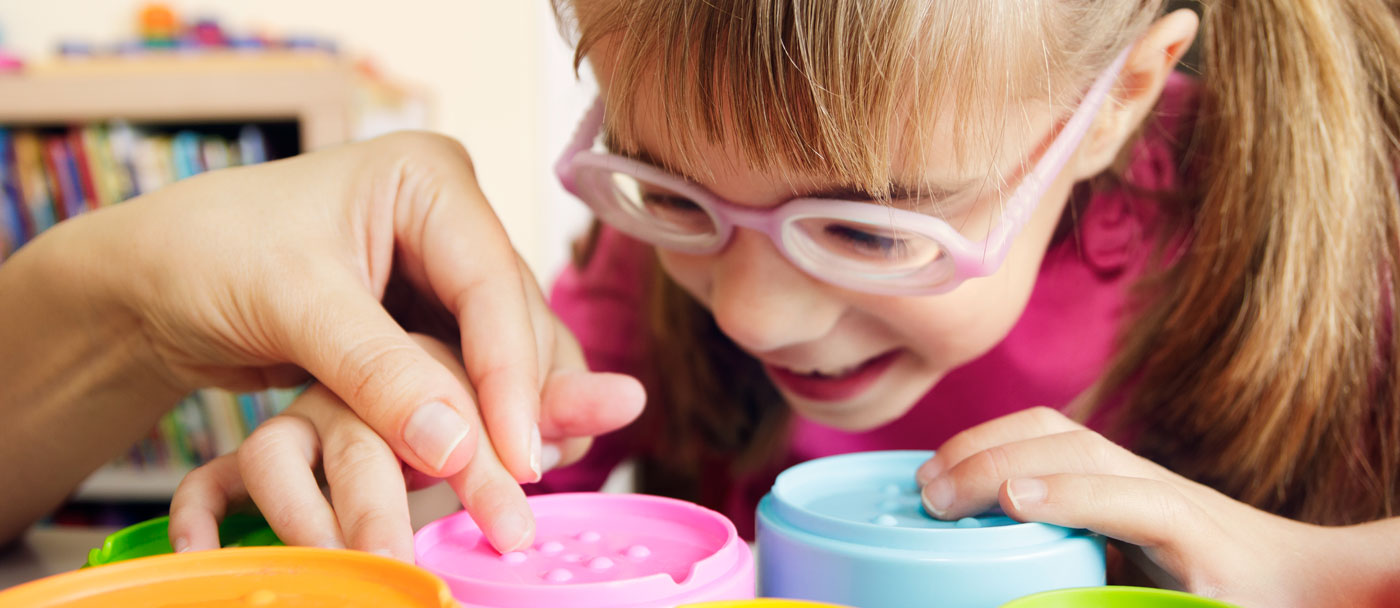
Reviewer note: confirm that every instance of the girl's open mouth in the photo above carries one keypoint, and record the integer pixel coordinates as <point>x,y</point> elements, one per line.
<point>844,385</point>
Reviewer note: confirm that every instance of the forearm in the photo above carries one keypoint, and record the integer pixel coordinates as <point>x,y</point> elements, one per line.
<point>80,383</point>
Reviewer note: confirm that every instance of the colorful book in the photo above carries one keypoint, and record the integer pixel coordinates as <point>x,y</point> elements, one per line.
<point>33,184</point>
<point>82,168</point>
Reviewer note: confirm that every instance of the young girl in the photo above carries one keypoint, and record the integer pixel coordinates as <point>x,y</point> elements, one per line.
<point>839,225</point>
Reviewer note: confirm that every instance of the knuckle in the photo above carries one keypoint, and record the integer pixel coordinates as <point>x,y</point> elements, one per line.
<point>363,521</point>
<point>1046,418</point>
<point>357,451</point>
<point>380,366</point>
<point>994,463</point>
<point>1092,449</point>
<point>262,447</point>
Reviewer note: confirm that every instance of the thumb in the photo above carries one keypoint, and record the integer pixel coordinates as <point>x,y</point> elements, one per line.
<point>346,339</point>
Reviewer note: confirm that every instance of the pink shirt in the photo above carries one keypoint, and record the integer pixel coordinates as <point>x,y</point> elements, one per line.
<point>1061,344</point>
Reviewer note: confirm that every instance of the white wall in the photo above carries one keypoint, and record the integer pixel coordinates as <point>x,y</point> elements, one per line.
<point>498,70</point>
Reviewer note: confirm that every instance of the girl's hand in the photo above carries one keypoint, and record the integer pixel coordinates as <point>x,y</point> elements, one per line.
<point>368,510</point>
<point>253,277</point>
<point>1041,466</point>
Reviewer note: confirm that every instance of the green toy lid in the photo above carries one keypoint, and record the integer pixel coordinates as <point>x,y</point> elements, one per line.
<point>152,537</point>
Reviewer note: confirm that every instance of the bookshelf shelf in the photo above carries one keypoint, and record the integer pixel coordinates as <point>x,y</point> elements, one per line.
<point>313,89</point>
<point>78,134</point>
<point>129,484</point>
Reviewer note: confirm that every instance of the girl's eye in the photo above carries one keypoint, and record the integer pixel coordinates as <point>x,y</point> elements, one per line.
<point>676,213</point>
<point>670,203</point>
<point>866,243</point>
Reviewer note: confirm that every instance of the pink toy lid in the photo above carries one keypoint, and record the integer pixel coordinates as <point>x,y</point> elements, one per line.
<point>594,550</point>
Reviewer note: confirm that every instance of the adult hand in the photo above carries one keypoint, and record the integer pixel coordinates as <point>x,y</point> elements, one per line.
<point>252,277</point>
<point>277,467</point>
<point>1039,465</point>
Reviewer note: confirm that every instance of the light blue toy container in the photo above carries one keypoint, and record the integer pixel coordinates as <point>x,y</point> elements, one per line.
<point>851,530</point>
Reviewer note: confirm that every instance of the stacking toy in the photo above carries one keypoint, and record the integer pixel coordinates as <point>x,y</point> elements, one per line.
<point>151,537</point>
<point>594,551</point>
<point>762,603</point>
<point>851,530</point>
<point>1115,597</point>
<point>286,577</point>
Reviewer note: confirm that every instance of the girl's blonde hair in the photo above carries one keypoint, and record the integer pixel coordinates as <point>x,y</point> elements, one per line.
<point>1261,362</point>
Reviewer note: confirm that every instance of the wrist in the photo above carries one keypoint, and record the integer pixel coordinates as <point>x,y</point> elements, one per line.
<point>98,285</point>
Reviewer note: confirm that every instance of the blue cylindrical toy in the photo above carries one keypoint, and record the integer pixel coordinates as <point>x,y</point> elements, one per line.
<point>851,530</point>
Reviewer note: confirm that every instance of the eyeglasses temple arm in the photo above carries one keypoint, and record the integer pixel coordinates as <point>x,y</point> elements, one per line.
<point>1019,211</point>
<point>582,140</point>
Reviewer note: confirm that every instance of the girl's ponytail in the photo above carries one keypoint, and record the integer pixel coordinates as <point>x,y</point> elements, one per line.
<point>1265,363</point>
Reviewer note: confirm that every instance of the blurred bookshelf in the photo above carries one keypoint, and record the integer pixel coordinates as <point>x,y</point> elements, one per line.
<point>77,134</point>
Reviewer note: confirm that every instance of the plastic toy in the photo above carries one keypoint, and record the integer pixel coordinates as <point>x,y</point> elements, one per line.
<point>1115,597</point>
<point>152,537</point>
<point>158,26</point>
<point>762,603</point>
<point>595,551</point>
<point>287,577</point>
<point>851,530</point>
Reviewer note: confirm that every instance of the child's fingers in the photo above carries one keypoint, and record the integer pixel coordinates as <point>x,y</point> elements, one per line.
<point>495,501</point>
<point>276,462</point>
<point>587,404</point>
<point>1024,424</point>
<point>1153,514</point>
<point>577,403</point>
<point>201,502</point>
<point>488,491</point>
<point>366,482</point>
<point>971,486</point>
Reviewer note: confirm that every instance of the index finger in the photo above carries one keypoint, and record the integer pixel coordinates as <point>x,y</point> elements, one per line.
<point>444,224</point>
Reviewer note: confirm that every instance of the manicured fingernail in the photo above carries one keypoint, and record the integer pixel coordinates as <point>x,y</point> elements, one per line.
<point>1026,492</point>
<point>535,452</point>
<point>938,496</point>
<point>433,432</point>
<point>513,532</point>
<point>552,456</point>
<point>181,544</point>
<point>929,470</point>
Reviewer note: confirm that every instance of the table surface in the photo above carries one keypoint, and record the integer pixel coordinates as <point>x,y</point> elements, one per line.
<point>48,550</point>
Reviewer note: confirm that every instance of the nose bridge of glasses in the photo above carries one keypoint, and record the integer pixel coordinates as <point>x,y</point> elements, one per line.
<point>764,220</point>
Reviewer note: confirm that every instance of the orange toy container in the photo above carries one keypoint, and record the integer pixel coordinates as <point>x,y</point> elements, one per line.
<point>287,577</point>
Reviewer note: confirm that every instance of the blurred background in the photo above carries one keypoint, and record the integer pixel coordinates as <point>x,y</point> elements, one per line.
<point>495,74</point>
<point>101,100</point>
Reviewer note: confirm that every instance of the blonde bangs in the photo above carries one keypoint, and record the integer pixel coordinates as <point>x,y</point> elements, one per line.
<point>838,87</point>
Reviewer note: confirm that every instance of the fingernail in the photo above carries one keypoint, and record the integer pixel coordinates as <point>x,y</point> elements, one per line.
<point>433,432</point>
<point>1026,492</point>
<point>535,452</point>
<point>931,469</point>
<point>552,456</point>
<point>938,496</point>
<point>389,554</point>
<point>333,543</point>
<point>513,530</point>
<point>181,544</point>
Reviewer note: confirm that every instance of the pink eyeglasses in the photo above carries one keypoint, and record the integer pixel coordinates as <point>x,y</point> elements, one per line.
<point>857,245</point>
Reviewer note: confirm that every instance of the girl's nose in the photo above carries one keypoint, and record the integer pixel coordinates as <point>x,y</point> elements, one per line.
<point>763,302</point>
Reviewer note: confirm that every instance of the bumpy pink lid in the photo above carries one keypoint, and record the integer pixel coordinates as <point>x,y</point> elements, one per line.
<point>593,551</point>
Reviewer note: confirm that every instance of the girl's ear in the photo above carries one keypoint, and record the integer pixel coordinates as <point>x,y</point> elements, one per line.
<point>1139,85</point>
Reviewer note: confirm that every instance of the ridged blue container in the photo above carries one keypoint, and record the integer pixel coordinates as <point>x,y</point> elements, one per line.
<point>851,530</point>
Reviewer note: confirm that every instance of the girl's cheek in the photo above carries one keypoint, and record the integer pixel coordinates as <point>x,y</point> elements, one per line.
<point>691,272</point>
